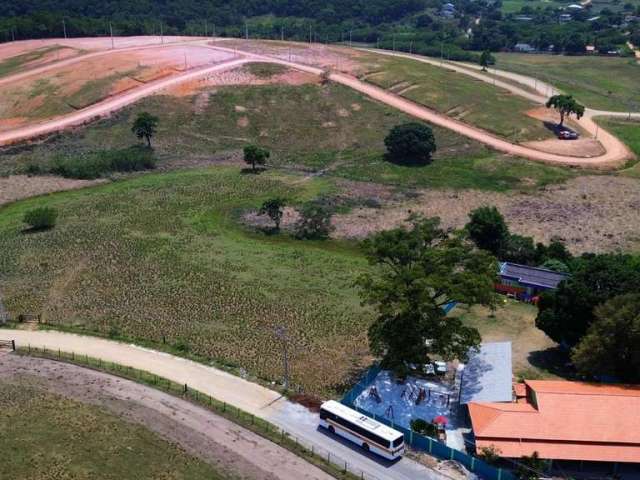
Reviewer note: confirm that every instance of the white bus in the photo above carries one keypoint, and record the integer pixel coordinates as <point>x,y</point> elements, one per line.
<point>370,435</point>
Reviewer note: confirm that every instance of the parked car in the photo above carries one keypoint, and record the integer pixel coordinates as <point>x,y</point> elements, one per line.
<point>567,135</point>
<point>440,367</point>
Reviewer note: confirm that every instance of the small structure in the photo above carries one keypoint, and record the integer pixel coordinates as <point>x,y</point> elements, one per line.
<point>525,282</point>
<point>563,420</point>
<point>488,375</point>
<point>524,48</point>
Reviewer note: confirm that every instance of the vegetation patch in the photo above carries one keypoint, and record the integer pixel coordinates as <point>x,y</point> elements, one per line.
<point>94,165</point>
<point>163,258</point>
<point>15,63</point>
<point>266,70</point>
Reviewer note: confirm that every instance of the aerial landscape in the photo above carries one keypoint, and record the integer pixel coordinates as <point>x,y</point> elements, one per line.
<point>310,240</point>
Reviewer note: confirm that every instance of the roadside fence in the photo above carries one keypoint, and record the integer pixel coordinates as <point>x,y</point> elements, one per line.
<point>318,455</point>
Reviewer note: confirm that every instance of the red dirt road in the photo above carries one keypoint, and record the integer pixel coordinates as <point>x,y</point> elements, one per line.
<point>616,153</point>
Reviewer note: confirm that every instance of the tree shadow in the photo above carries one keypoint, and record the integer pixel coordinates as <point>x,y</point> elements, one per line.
<point>251,171</point>
<point>34,230</point>
<point>406,162</point>
<point>555,360</point>
<point>269,231</point>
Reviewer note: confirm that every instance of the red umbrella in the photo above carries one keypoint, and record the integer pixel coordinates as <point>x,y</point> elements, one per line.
<point>440,420</point>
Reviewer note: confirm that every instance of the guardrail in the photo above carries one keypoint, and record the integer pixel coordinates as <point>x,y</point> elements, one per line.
<point>313,453</point>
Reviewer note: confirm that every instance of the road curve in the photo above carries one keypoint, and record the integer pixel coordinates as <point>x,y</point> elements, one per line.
<point>250,397</point>
<point>616,153</point>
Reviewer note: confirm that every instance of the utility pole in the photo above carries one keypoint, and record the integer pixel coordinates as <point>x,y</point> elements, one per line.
<point>310,28</point>
<point>394,42</point>
<point>350,38</point>
<point>282,33</point>
<point>206,31</point>
<point>246,31</point>
<point>64,28</point>
<point>281,334</point>
<point>161,34</point>
<point>111,32</point>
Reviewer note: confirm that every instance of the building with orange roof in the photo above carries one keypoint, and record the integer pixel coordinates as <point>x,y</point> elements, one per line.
<point>563,420</point>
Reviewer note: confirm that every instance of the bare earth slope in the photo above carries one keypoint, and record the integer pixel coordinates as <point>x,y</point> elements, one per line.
<point>616,152</point>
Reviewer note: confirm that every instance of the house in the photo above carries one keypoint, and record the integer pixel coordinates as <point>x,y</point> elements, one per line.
<point>525,282</point>
<point>488,376</point>
<point>591,49</point>
<point>575,7</point>
<point>524,48</point>
<point>565,17</point>
<point>563,420</point>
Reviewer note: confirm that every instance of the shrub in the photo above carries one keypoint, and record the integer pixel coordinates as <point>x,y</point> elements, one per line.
<point>42,218</point>
<point>315,222</point>
<point>423,427</point>
<point>410,143</point>
<point>490,454</point>
<point>97,164</point>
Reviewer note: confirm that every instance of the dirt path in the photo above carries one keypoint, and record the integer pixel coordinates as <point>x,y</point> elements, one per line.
<point>250,397</point>
<point>219,442</point>
<point>615,156</point>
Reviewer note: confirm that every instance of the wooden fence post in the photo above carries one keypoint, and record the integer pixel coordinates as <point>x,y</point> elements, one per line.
<point>13,345</point>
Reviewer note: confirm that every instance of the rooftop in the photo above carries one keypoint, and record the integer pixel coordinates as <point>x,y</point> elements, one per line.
<point>534,276</point>
<point>564,420</point>
<point>488,377</point>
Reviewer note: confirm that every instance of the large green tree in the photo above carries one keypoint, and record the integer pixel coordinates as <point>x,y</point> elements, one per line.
<point>418,270</point>
<point>566,313</point>
<point>487,229</point>
<point>411,143</point>
<point>566,105</point>
<point>254,155</point>
<point>611,345</point>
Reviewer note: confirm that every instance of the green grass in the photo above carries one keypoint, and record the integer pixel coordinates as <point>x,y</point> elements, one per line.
<point>266,70</point>
<point>164,256</point>
<point>45,436</point>
<point>97,89</point>
<point>330,128</point>
<point>460,96</point>
<point>15,63</point>
<point>604,83</point>
<point>514,6</point>
<point>629,132</point>
<point>496,173</point>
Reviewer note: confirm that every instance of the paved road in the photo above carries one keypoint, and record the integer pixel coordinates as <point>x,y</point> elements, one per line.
<point>246,395</point>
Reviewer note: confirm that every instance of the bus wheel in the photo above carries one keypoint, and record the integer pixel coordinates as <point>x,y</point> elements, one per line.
<point>365,447</point>
<point>331,429</point>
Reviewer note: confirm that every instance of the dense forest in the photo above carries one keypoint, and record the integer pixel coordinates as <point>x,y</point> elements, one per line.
<point>421,26</point>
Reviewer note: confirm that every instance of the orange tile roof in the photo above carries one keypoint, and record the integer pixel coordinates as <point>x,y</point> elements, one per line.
<point>567,420</point>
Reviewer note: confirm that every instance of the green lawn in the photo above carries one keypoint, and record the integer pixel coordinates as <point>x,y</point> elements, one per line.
<point>331,128</point>
<point>629,132</point>
<point>163,255</point>
<point>514,6</point>
<point>605,83</point>
<point>460,96</point>
<point>45,436</point>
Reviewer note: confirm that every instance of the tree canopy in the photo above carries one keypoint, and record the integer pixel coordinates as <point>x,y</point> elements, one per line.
<point>566,105</point>
<point>566,313</point>
<point>487,229</point>
<point>411,143</point>
<point>274,209</point>
<point>144,126</point>
<point>419,269</point>
<point>254,155</point>
<point>610,346</point>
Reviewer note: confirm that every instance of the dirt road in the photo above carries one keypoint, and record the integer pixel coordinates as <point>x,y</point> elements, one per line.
<point>233,450</point>
<point>248,396</point>
<point>616,152</point>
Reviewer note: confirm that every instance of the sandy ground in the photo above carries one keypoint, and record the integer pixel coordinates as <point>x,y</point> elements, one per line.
<point>590,213</point>
<point>17,187</point>
<point>226,446</point>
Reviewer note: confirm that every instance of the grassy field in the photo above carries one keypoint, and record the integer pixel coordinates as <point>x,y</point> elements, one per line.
<point>629,132</point>
<point>534,354</point>
<point>514,6</point>
<point>337,130</point>
<point>45,436</point>
<point>460,96</point>
<point>583,77</point>
<point>163,255</point>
